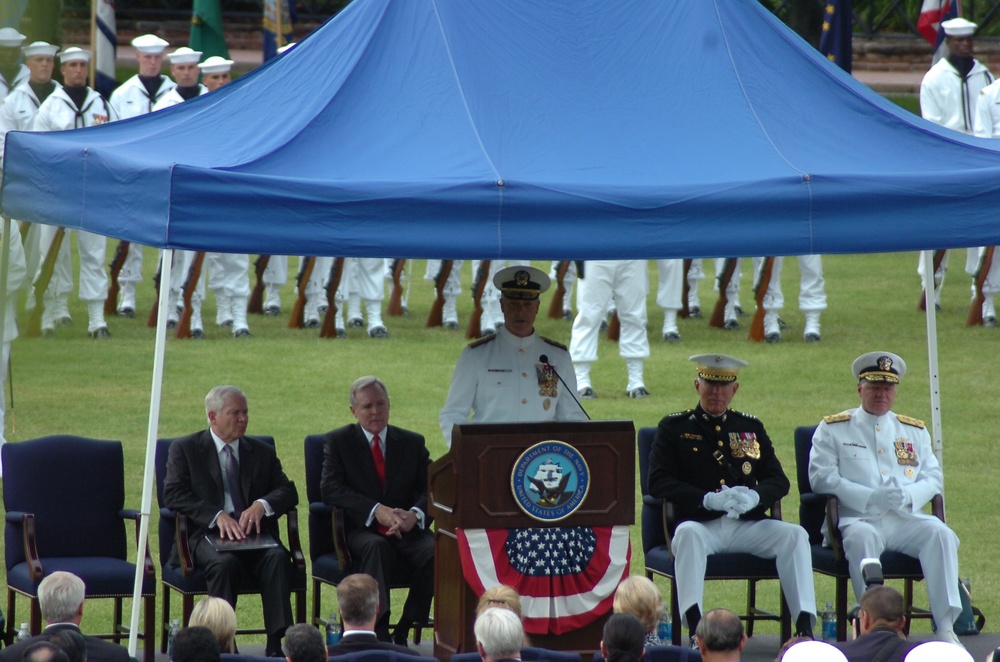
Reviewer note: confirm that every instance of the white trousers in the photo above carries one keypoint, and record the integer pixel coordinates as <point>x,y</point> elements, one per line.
<point>812,287</point>
<point>627,283</point>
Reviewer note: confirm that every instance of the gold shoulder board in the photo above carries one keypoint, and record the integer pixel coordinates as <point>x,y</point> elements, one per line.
<point>837,418</point>
<point>554,343</point>
<point>483,340</point>
<point>906,420</point>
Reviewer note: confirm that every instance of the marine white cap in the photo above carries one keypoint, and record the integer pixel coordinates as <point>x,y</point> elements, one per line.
<point>938,651</point>
<point>879,367</point>
<point>149,43</point>
<point>287,47</point>
<point>40,48</point>
<point>184,55</point>
<point>215,65</point>
<point>718,367</point>
<point>72,54</point>
<point>11,38</point>
<point>959,27</point>
<point>813,651</point>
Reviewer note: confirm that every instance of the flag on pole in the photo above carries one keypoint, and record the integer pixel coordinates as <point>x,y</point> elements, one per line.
<point>932,14</point>
<point>838,30</point>
<point>105,47</point>
<point>279,18</point>
<point>207,34</point>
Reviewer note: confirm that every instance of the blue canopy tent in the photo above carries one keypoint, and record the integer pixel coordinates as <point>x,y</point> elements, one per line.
<point>543,129</point>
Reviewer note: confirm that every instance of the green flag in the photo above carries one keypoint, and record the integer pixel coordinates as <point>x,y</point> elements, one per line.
<point>206,29</point>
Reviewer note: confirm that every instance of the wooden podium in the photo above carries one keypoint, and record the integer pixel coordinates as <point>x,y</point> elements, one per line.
<point>471,488</point>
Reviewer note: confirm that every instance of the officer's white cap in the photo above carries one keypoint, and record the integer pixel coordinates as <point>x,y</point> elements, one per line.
<point>879,367</point>
<point>215,65</point>
<point>521,282</point>
<point>287,47</point>
<point>40,48</point>
<point>72,54</point>
<point>184,55</point>
<point>813,651</point>
<point>718,367</point>
<point>149,43</point>
<point>959,27</point>
<point>938,651</point>
<point>11,38</point>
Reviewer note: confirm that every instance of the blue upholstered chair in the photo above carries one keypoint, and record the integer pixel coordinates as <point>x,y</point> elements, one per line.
<point>528,654</point>
<point>664,654</point>
<point>830,561</point>
<point>381,656</point>
<point>65,499</point>
<point>657,527</point>
<point>188,580</point>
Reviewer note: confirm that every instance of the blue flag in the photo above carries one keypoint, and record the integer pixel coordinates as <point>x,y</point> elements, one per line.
<point>277,27</point>
<point>838,28</point>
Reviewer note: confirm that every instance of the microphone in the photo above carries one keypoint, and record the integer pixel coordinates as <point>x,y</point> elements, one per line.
<point>544,360</point>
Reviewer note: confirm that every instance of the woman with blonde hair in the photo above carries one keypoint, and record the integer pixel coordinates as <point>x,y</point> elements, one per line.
<point>218,616</point>
<point>503,597</point>
<point>638,596</point>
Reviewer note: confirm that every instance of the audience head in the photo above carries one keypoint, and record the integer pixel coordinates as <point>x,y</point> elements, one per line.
<point>60,596</point>
<point>882,606</point>
<point>638,595</point>
<point>498,634</point>
<point>228,412</point>
<point>501,596</point>
<point>218,616</point>
<point>812,651</point>
<point>357,599</point>
<point>938,651</point>
<point>44,651</point>
<point>304,643</point>
<point>71,642</point>
<point>623,640</point>
<point>720,631</point>
<point>195,644</point>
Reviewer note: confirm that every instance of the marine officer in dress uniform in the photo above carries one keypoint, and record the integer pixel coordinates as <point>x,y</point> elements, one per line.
<point>512,375</point>
<point>880,466</point>
<point>718,466</point>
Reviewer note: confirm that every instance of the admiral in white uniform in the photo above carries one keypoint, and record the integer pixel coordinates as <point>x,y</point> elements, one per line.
<point>502,377</point>
<point>881,467</point>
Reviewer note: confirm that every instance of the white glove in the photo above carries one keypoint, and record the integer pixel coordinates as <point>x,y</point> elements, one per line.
<point>722,500</point>
<point>888,497</point>
<point>745,500</point>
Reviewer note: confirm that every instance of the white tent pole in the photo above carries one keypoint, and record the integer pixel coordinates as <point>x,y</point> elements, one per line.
<point>152,431</point>
<point>932,354</point>
<point>4,268</point>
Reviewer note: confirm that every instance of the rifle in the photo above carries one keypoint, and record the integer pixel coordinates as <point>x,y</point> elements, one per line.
<point>298,318</point>
<point>34,327</point>
<point>395,308</point>
<point>559,297</point>
<point>938,259</point>
<point>190,285</point>
<point>117,262</point>
<point>685,291</point>
<point>763,283</point>
<point>153,313</point>
<point>329,329</point>
<point>614,327</point>
<point>475,321</point>
<point>718,319</point>
<point>256,303</point>
<point>435,318</point>
<point>975,317</point>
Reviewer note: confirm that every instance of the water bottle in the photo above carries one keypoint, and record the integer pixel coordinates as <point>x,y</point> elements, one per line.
<point>23,633</point>
<point>175,627</point>
<point>333,630</point>
<point>665,629</point>
<point>829,624</point>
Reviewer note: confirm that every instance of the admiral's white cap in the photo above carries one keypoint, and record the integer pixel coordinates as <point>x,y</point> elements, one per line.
<point>72,54</point>
<point>287,47</point>
<point>521,282</point>
<point>149,43</point>
<point>185,55</point>
<point>40,48</point>
<point>959,27</point>
<point>215,65</point>
<point>879,367</point>
<point>11,38</point>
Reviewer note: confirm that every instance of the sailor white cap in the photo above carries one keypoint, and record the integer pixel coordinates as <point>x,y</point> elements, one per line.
<point>879,367</point>
<point>215,65</point>
<point>718,367</point>
<point>184,55</point>
<point>40,48</point>
<point>813,651</point>
<point>959,27</point>
<point>149,43</point>
<point>287,47</point>
<point>11,38</point>
<point>72,54</point>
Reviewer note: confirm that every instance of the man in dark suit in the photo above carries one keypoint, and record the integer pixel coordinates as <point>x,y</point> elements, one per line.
<point>60,596</point>
<point>357,599</point>
<point>230,486</point>
<point>882,618</point>
<point>377,474</point>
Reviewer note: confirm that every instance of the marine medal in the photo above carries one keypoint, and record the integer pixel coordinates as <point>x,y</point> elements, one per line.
<point>744,444</point>
<point>548,384</point>
<point>747,468</point>
<point>546,404</point>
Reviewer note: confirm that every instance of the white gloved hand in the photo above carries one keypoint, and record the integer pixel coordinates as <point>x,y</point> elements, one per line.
<point>888,497</point>
<point>745,500</point>
<point>721,500</point>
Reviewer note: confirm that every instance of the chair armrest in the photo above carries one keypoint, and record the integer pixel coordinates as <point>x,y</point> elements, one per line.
<point>184,545</point>
<point>776,510</point>
<point>319,508</point>
<point>937,506</point>
<point>648,500</point>
<point>669,522</point>
<point>340,538</point>
<point>26,522</point>
<point>833,526</point>
<point>148,568</point>
<point>294,545</point>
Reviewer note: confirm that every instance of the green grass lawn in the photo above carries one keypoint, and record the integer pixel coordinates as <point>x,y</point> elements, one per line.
<point>297,385</point>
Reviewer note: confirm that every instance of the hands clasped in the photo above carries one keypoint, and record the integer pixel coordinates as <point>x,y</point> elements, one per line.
<point>734,501</point>
<point>248,523</point>
<point>889,496</point>
<point>396,520</point>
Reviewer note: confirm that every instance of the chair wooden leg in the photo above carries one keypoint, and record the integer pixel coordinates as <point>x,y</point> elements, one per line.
<point>317,587</point>
<point>149,629</point>
<point>35,620</point>
<point>11,619</point>
<point>300,606</point>
<point>751,605</point>
<point>908,604</point>
<point>786,617</point>
<point>675,609</point>
<point>187,606</point>
<point>117,621</point>
<point>841,597</point>
<point>165,620</point>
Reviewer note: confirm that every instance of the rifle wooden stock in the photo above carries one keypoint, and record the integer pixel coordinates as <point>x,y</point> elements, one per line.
<point>154,311</point>
<point>117,262</point>
<point>614,327</point>
<point>298,318</point>
<point>24,227</point>
<point>763,282</point>
<point>34,326</point>
<point>938,259</point>
<point>435,318</point>
<point>975,317</point>
<point>256,302</point>
<point>718,319</point>
<point>559,296</point>
<point>190,285</point>
<point>476,319</point>
<point>395,308</point>
<point>685,312</point>
<point>329,329</point>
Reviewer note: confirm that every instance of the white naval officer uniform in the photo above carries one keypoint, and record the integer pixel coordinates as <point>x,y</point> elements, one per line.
<point>854,453</point>
<point>499,379</point>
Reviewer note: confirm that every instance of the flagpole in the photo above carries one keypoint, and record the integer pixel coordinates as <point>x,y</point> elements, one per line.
<point>279,32</point>
<point>93,43</point>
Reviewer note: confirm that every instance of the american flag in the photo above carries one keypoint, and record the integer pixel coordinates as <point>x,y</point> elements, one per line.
<point>932,14</point>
